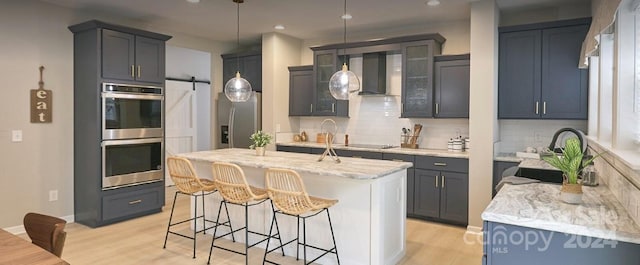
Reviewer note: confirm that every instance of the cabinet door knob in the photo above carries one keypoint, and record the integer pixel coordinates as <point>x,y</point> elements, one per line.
<point>436,181</point>
<point>537,107</point>
<point>333,107</point>
<point>437,108</point>
<point>311,108</point>
<point>138,71</point>
<point>133,71</point>
<point>544,108</point>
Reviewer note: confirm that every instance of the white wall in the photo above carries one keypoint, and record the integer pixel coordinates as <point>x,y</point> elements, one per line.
<point>517,135</point>
<point>34,34</point>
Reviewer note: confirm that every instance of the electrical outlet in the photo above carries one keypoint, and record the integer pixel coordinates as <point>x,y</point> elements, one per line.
<point>53,195</point>
<point>16,136</point>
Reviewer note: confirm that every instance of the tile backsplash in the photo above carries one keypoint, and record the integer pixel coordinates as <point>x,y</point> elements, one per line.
<point>376,120</point>
<point>517,135</point>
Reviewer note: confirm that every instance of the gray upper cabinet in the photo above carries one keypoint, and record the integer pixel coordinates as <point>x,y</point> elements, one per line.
<point>539,76</point>
<point>132,58</point>
<point>451,97</point>
<point>325,64</point>
<point>250,67</point>
<point>300,90</point>
<point>417,79</point>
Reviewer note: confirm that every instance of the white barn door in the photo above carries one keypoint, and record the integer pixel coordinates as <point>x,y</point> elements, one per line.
<point>181,120</point>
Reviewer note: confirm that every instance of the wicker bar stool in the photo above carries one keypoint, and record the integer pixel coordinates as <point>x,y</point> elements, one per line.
<point>287,192</point>
<point>234,189</point>
<point>188,183</point>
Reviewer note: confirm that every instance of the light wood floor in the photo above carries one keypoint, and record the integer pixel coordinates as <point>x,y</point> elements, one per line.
<point>139,241</point>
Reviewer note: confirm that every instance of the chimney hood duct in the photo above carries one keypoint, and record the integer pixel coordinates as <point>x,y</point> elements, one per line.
<point>374,74</point>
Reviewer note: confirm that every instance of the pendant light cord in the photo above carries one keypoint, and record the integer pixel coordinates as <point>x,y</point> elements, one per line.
<point>238,36</point>
<point>344,49</point>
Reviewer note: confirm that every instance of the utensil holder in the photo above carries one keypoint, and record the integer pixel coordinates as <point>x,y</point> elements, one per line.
<point>409,141</point>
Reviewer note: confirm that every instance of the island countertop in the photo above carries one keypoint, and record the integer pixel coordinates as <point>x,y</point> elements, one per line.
<point>355,168</point>
<point>538,206</point>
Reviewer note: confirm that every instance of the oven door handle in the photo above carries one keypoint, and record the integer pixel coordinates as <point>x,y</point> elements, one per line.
<point>131,96</point>
<point>132,141</point>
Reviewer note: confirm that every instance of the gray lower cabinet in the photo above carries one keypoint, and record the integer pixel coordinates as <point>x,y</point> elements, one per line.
<point>301,90</point>
<point>451,95</point>
<point>293,149</point>
<point>358,154</point>
<point>442,188</point>
<point>498,168</point>
<point>538,74</point>
<point>506,244</point>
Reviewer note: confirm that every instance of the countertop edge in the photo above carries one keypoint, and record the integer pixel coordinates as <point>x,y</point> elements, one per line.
<point>394,150</point>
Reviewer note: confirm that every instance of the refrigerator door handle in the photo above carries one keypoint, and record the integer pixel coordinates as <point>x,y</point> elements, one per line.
<point>231,121</point>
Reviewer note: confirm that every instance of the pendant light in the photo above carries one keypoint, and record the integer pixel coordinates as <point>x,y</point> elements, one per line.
<point>344,83</point>
<point>238,89</point>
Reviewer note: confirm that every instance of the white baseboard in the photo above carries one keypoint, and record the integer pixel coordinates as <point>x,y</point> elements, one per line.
<point>16,230</point>
<point>474,230</point>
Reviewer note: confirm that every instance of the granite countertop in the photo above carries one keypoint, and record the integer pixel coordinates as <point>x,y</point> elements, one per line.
<point>394,150</point>
<point>536,164</point>
<point>355,168</point>
<point>507,157</point>
<point>538,206</point>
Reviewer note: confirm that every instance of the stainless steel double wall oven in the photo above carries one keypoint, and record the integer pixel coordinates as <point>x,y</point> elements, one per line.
<point>132,135</point>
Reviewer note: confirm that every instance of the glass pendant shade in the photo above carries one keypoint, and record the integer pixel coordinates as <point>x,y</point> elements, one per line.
<point>344,83</point>
<point>238,89</point>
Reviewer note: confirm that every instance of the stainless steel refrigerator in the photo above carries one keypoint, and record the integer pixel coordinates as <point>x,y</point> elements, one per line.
<point>238,120</point>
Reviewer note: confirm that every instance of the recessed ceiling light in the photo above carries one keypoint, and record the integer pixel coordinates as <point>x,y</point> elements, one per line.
<point>433,2</point>
<point>193,1</point>
<point>346,16</point>
<point>279,27</point>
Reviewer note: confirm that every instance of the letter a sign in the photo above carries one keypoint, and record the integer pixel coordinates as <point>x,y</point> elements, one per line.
<point>41,100</point>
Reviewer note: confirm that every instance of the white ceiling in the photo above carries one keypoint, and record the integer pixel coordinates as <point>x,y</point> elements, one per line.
<point>304,19</point>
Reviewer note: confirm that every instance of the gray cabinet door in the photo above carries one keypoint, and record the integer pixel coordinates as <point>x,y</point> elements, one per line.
<point>325,64</point>
<point>300,91</point>
<point>519,75</point>
<point>427,193</point>
<point>417,80</point>
<point>564,85</point>
<point>252,71</point>
<point>118,59</point>
<point>150,56</point>
<point>451,89</point>
<point>454,190</point>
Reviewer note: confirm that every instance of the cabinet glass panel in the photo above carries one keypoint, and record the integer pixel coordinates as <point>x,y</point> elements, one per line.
<point>325,103</point>
<point>417,94</point>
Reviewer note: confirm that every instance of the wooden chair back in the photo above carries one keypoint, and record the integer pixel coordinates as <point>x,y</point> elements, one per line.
<point>287,191</point>
<point>232,183</point>
<point>184,175</point>
<point>46,232</point>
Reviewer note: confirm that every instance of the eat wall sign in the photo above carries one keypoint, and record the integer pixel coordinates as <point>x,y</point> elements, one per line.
<point>41,103</point>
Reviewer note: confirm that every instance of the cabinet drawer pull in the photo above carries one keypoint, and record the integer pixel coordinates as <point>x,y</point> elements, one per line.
<point>135,202</point>
<point>443,178</point>
<point>133,70</point>
<point>138,71</point>
<point>544,108</point>
<point>440,164</point>
<point>436,181</point>
<point>333,107</point>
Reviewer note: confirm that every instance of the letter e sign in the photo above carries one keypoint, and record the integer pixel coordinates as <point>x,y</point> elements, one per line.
<point>41,100</point>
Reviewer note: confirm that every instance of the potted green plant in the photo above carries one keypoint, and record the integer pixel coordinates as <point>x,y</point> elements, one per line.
<point>260,140</point>
<point>571,165</point>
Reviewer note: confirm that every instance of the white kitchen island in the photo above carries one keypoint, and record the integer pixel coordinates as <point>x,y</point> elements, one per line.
<point>369,219</point>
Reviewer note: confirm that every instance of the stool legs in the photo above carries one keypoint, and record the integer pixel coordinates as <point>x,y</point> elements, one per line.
<point>335,247</point>
<point>170,217</point>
